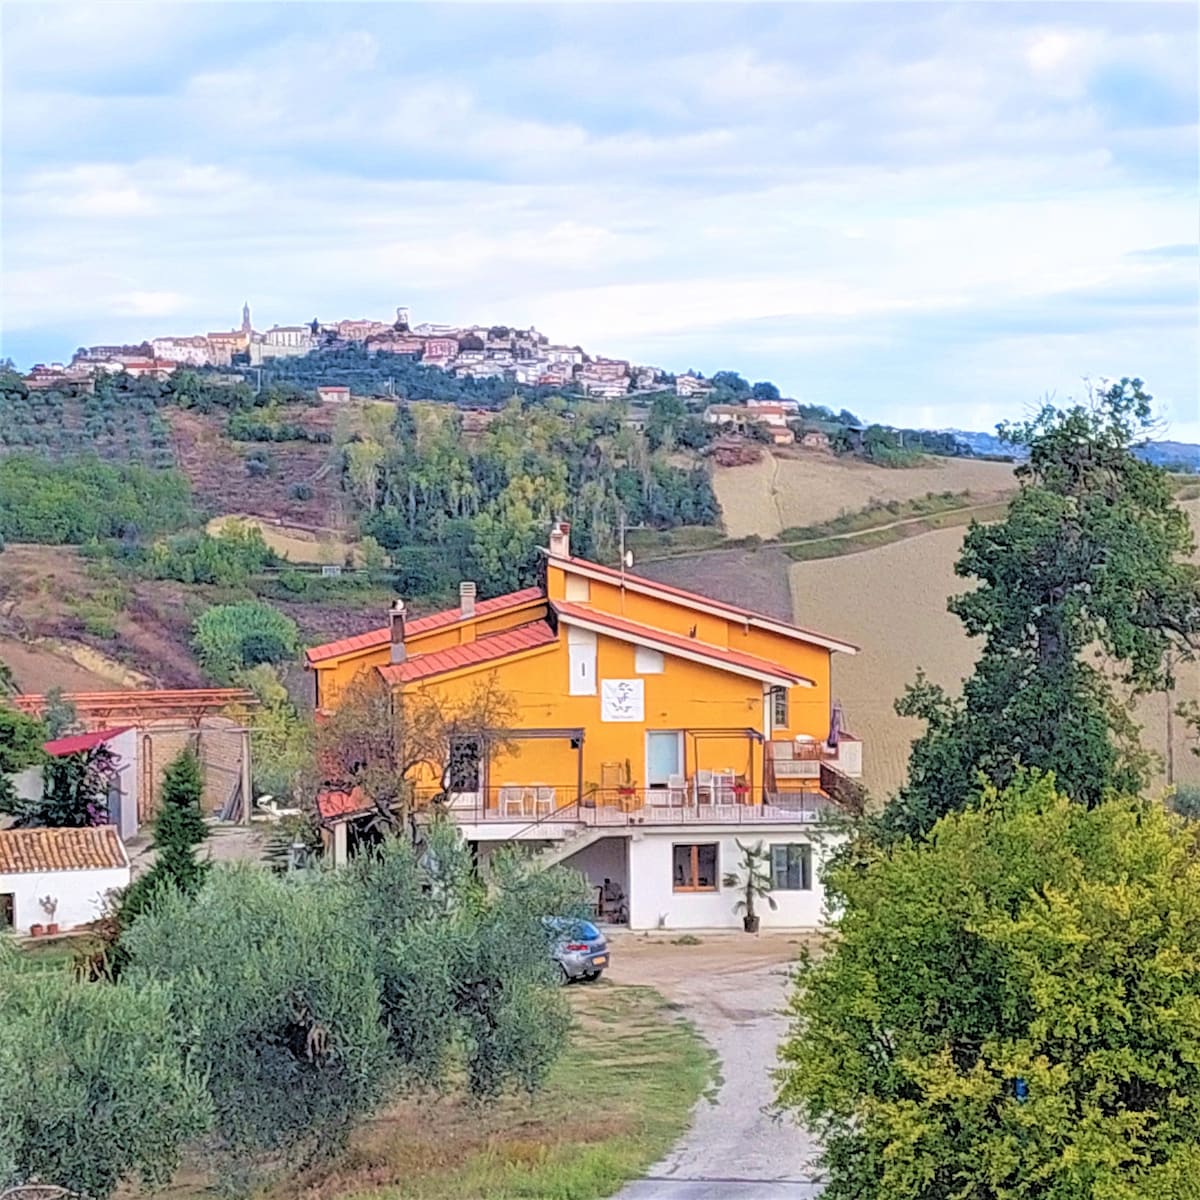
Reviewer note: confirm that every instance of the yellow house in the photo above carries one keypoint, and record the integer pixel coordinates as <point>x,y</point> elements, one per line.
<point>637,712</point>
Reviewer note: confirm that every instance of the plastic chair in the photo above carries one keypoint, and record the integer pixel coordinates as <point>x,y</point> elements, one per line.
<point>512,802</point>
<point>543,803</point>
<point>676,790</point>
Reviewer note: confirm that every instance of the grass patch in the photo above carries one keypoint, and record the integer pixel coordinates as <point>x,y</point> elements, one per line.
<point>51,954</point>
<point>688,939</point>
<point>684,537</point>
<point>616,1101</point>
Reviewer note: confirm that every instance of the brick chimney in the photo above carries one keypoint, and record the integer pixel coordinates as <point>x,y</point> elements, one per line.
<point>560,540</point>
<point>466,598</point>
<point>399,653</point>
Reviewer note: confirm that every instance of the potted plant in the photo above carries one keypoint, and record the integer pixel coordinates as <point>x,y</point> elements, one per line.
<point>627,789</point>
<point>36,929</point>
<point>754,882</point>
<point>50,907</point>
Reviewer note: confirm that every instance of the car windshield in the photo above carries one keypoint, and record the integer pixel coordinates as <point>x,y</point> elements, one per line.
<point>583,931</point>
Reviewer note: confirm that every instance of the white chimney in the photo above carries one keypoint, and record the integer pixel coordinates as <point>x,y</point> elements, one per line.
<point>560,540</point>
<point>466,598</point>
<point>399,653</point>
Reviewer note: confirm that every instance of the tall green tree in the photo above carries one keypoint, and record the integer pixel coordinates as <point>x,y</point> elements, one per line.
<point>1009,1009</point>
<point>21,739</point>
<point>1091,557</point>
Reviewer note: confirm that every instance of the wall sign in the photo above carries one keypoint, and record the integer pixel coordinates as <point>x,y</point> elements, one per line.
<point>622,700</point>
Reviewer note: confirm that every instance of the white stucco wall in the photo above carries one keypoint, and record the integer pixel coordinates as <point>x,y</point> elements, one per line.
<point>80,895</point>
<point>651,888</point>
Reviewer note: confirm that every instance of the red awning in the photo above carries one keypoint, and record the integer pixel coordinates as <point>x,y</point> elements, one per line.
<point>78,743</point>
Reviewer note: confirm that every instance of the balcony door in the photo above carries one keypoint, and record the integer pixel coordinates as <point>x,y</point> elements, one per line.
<point>664,756</point>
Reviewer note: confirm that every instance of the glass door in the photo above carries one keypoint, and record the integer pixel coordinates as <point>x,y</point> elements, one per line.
<point>664,756</point>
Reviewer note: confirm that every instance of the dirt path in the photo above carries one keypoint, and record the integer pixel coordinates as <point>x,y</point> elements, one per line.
<point>732,988</point>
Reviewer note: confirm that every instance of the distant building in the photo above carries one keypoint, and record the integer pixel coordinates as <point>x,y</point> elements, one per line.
<point>604,370</point>
<point>150,368</point>
<point>395,343</point>
<point>606,389</point>
<point>333,394</point>
<point>359,331</point>
<point>440,350</point>
<point>194,351</point>
<point>687,386</point>
<point>814,439</point>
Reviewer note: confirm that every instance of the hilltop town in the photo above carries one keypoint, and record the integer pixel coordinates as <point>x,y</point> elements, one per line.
<point>524,356</point>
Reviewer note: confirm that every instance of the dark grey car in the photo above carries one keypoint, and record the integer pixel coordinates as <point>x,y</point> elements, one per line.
<point>579,948</point>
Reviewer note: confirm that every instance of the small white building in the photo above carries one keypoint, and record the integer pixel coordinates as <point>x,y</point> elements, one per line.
<point>58,877</point>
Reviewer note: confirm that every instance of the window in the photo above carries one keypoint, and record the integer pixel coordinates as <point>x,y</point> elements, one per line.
<point>791,867</point>
<point>465,757</point>
<point>695,867</point>
<point>779,708</point>
<point>581,651</point>
<point>647,662</point>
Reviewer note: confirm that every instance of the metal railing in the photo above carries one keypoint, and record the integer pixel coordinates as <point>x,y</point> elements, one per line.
<point>546,805</point>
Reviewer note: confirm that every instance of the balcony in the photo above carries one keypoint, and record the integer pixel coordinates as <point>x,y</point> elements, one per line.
<point>797,760</point>
<point>544,810</point>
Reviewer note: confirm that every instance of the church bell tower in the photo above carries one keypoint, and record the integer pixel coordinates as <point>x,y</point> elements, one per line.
<point>246,327</point>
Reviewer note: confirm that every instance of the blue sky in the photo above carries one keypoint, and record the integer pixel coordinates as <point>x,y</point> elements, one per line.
<point>930,214</point>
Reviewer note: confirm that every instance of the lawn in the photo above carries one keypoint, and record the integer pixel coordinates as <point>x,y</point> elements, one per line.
<point>613,1105</point>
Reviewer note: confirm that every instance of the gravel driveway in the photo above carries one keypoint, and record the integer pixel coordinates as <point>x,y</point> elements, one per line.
<point>731,988</point>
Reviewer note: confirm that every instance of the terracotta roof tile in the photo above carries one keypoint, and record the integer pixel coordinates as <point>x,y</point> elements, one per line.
<point>485,649</point>
<point>375,638</point>
<point>720,655</point>
<point>27,851</point>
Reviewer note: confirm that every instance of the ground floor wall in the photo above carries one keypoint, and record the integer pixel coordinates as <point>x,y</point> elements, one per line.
<point>658,900</point>
<point>79,896</point>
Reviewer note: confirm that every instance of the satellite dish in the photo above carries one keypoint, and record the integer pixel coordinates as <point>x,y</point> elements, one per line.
<point>629,558</point>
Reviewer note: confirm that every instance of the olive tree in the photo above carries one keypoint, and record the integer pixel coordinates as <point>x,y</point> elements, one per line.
<point>91,1093</point>
<point>271,989</point>
<point>1009,1008</point>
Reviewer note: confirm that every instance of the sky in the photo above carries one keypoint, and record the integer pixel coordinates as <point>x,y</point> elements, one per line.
<point>935,215</point>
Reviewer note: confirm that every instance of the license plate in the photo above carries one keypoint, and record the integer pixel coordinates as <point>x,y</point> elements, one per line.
<point>601,961</point>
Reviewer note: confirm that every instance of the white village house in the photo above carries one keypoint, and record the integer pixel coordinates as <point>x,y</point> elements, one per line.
<point>58,877</point>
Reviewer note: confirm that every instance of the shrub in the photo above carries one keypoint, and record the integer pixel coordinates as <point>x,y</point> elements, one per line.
<point>269,985</point>
<point>1008,1009</point>
<point>1186,801</point>
<point>230,636</point>
<point>301,491</point>
<point>91,1093</point>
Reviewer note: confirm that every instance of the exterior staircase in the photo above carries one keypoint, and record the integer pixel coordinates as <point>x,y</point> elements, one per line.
<point>575,838</point>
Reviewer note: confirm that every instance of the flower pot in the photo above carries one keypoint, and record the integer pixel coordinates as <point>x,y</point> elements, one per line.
<point>52,929</point>
<point>750,924</point>
<point>37,930</point>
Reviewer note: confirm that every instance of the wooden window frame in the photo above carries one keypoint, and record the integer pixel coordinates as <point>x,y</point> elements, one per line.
<point>695,857</point>
<point>779,699</point>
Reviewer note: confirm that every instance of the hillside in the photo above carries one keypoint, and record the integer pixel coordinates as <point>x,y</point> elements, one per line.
<point>892,602</point>
<point>793,488</point>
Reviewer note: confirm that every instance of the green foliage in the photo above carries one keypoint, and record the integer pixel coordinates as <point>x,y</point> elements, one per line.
<point>21,739</point>
<point>282,740</point>
<point>231,559</point>
<point>670,424</point>
<point>1091,555</point>
<point>447,507</point>
<point>228,637</point>
<point>80,499</point>
<point>461,965</point>
<point>269,987</point>
<point>91,1093</point>
<point>58,713</point>
<point>1186,801</point>
<point>266,425</point>
<point>75,791</point>
<point>179,828</point>
<point>1030,946</point>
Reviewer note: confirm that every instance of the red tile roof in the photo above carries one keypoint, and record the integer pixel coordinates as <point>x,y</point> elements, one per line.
<point>26,851</point>
<point>469,654</point>
<point>719,655</point>
<point>375,638</point>
<point>695,598</point>
<point>334,803</point>
<point>79,742</point>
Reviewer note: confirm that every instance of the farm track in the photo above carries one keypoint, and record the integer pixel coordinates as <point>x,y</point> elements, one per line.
<point>945,518</point>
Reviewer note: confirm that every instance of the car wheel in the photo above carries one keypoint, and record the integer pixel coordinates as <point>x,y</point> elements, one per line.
<point>563,977</point>
<point>592,976</point>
